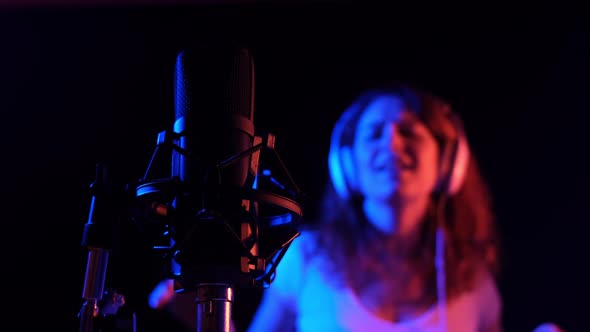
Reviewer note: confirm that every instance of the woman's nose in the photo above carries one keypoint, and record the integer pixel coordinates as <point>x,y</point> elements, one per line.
<point>392,138</point>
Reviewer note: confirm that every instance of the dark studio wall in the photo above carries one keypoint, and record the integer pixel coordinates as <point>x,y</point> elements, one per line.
<point>83,84</point>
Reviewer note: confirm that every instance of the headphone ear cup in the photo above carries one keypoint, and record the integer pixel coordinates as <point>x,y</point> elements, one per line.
<point>459,169</point>
<point>455,160</point>
<point>336,171</point>
<point>348,168</point>
<point>341,170</point>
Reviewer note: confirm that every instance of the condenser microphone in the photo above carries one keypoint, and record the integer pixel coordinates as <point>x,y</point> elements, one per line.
<point>214,120</point>
<point>228,222</point>
<point>214,128</point>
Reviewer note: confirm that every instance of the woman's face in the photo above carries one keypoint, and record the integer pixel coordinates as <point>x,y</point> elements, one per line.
<point>395,154</point>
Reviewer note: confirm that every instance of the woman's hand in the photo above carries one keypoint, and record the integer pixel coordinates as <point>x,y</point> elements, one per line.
<point>548,327</point>
<point>162,294</point>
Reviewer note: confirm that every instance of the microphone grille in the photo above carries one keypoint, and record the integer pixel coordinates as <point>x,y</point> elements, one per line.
<point>218,80</point>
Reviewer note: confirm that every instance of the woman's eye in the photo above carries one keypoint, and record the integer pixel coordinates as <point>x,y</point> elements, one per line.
<point>370,134</point>
<point>406,131</point>
<point>375,133</point>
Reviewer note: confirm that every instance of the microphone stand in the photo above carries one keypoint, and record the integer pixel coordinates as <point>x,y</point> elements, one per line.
<point>214,307</point>
<point>207,271</point>
<point>97,238</point>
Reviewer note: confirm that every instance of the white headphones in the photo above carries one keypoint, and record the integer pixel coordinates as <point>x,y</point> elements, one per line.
<point>454,157</point>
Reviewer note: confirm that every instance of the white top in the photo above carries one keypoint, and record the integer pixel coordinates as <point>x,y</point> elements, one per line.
<point>320,305</point>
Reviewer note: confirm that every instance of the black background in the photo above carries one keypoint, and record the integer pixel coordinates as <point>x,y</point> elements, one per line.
<point>81,84</point>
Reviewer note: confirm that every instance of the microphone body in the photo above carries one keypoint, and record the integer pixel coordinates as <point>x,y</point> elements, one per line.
<point>214,111</point>
<point>214,116</point>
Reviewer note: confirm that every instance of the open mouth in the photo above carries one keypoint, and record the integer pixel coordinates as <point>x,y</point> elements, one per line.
<point>396,164</point>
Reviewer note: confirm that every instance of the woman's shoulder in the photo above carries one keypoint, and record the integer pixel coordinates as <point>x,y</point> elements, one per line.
<point>301,246</point>
<point>479,306</point>
<point>483,288</point>
<point>486,298</point>
<point>292,267</point>
<point>307,238</point>
<point>486,283</point>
